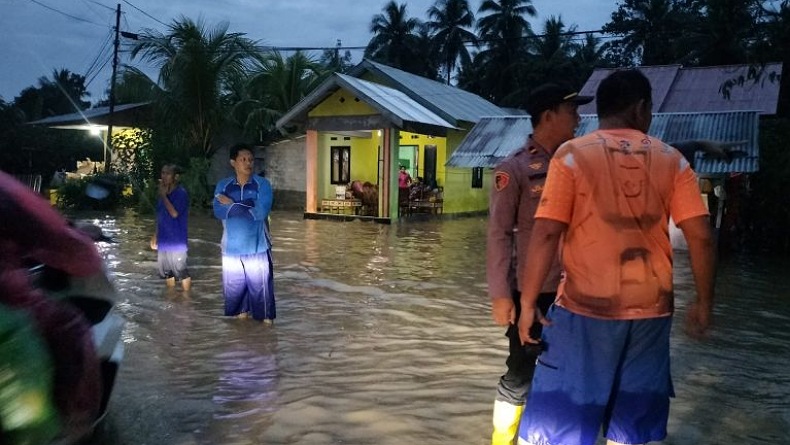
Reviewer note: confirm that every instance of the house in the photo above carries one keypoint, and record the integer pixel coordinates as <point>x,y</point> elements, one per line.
<point>362,126</point>
<point>688,105</point>
<point>677,89</point>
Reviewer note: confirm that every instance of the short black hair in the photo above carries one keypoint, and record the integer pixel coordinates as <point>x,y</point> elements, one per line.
<point>620,90</point>
<point>234,150</point>
<point>175,168</point>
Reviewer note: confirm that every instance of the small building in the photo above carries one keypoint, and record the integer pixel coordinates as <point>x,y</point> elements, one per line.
<point>361,127</point>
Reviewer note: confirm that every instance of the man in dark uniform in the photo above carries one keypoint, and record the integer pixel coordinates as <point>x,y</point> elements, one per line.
<point>518,183</point>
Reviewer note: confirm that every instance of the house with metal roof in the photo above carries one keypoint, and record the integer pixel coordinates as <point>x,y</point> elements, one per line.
<point>494,138</point>
<point>678,89</point>
<point>361,127</point>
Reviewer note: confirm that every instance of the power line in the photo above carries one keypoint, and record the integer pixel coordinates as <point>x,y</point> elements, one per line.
<point>67,14</point>
<point>102,53</point>
<point>147,14</point>
<point>100,4</point>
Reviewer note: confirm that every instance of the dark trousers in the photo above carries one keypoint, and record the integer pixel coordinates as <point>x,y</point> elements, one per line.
<point>514,384</point>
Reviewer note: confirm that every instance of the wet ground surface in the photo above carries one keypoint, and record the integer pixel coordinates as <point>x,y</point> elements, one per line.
<point>383,336</point>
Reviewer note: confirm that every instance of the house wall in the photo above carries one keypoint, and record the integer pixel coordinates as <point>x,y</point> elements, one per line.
<point>342,103</point>
<point>282,163</point>
<point>459,196</point>
<point>421,140</point>
<point>364,159</point>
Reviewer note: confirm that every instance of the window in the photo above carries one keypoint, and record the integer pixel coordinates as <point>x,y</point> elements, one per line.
<point>477,177</point>
<point>341,165</point>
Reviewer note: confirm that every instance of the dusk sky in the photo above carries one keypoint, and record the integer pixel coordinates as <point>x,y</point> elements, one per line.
<point>40,36</point>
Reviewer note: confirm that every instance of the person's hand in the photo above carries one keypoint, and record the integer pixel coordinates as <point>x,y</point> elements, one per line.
<point>154,244</point>
<point>163,189</point>
<point>526,320</point>
<point>224,200</point>
<point>698,320</point>
<point>503,311</point>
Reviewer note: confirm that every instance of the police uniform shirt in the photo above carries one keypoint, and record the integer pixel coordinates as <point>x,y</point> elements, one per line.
<point>515,195</point>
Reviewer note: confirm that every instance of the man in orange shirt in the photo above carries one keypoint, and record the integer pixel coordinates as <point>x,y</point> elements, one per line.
<point>610,194</point>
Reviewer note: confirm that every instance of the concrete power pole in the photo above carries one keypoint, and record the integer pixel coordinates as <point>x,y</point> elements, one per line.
<point>117,43</point>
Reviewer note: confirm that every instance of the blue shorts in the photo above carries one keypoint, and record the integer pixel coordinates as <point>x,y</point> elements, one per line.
<point>599,375</point>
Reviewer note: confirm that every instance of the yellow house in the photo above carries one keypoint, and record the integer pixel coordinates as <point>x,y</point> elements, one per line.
<point>362,127</point>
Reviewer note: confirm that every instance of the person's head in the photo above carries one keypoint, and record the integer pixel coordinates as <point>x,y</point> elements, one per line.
<point>554,108</point>
<point>242,159</point>
<point>402,168</point>
<point>625,96</point>
<point>170,174</point>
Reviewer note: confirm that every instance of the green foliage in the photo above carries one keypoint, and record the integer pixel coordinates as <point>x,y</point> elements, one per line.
<point>401,41</point>
<point>26,149</point>
<point>197,70</point>
<point>194,180</point>
<point>75,194</point>
<point>134,157</point>
<point>767,210</point>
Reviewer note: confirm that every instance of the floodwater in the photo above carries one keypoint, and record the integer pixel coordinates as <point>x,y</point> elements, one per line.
<point>383,336</point>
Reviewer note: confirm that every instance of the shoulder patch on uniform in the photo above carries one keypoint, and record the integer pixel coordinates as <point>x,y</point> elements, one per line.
<point>501,180</point>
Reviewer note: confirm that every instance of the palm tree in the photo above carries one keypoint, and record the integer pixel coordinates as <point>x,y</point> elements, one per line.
<point>503,30</point>
<point>588,55</point>
<point>196,68</point>
<point>275,85</point>
<point>449,22</point>
<point>60,94</point>
<point>505,20</point>
<point>724,32</point>
<point>554,50</point>
<point>648,31</point>
<point>395,36</point>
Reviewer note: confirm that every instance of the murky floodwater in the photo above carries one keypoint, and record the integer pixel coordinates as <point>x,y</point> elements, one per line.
<point>383,336</point>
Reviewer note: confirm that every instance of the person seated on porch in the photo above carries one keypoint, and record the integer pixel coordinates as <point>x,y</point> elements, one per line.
<point>418,190</point>
<point>356,189</point>
<point>370,199</point>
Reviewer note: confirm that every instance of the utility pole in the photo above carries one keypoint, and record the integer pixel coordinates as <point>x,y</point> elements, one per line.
<point>108,142</point>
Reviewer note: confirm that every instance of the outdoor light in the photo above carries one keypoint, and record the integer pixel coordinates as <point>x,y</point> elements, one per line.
<point>95,131</point>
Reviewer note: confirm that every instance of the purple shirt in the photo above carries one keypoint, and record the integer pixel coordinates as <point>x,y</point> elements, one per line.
<point>171,233</point>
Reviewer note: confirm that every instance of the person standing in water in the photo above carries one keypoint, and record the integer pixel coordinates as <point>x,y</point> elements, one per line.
<point>518,183</point>
<point>170,237</point>
<point>243,202</point>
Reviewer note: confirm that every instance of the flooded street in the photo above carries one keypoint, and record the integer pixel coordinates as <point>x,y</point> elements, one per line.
<point>384,336</point>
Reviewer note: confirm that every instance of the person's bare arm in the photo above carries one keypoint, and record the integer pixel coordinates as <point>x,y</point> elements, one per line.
<point>543,244</point>
<point>171,210</point>
<point>699,238</point>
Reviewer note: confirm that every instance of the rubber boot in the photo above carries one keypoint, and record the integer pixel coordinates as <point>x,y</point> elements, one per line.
<point>506,419</point>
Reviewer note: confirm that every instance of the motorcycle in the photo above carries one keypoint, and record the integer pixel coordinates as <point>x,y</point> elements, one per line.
<point>95,298</point>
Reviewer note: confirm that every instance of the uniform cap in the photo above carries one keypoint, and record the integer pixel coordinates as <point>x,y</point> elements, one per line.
<point>550,95</point>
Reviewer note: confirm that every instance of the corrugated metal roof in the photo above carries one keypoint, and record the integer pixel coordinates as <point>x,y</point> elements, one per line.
<point>453,104</point>
<point>494,138</point>
<point>697,89</point>
<point>95,116</point>
<point>392,102</point>
<point>680,90</point>
<point>490,141</point>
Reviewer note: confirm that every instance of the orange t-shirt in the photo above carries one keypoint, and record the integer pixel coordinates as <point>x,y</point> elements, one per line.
<point>616,190</point>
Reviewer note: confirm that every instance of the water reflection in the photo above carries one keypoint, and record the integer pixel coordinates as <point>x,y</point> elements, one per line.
<point>384,337</point>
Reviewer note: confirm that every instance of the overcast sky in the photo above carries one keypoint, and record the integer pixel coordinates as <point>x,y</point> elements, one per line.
<point>39,36</point>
